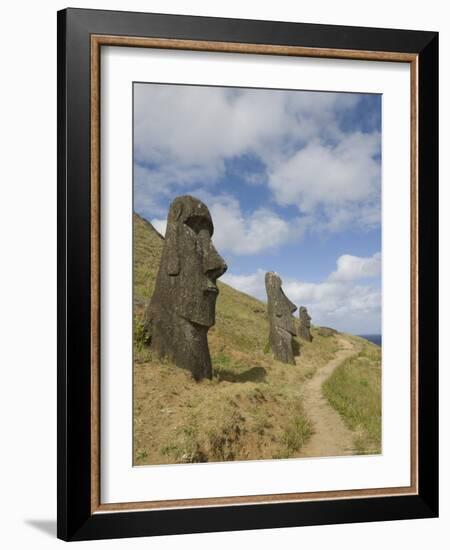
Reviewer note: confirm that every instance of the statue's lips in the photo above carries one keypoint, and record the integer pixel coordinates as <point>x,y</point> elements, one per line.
<point>211,288</point>
<point>290,331</point>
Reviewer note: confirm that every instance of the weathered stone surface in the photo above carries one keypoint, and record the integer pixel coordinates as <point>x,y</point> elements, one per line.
<point>304,328</point>
<point>182,308</point>
<point>326,331</point>
<point>281,322</point>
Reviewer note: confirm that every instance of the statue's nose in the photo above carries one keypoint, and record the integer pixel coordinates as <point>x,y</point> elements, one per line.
<point>214,265</point>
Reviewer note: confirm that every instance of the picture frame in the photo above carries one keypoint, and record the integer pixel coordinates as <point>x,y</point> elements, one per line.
<point>81,36</point>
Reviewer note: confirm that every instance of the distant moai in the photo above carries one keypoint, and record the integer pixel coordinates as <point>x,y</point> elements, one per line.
<point>183,305</point>
<point>304,329</point>
<point>281,322</point>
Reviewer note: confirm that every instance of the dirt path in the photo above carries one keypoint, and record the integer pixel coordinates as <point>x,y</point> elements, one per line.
<point>331,437</point>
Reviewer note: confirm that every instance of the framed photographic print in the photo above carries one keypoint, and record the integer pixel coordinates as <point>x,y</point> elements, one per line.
<point>247,274</point>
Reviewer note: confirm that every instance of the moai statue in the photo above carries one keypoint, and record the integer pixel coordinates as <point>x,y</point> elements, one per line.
<point>183,305</point>
<point>304,329</point>
<point>281,322</point>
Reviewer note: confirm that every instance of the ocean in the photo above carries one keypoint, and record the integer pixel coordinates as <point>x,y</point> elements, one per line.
<point>374,338</point>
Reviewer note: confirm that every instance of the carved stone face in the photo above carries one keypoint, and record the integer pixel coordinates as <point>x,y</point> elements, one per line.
<point>193,264</point>
<point>284,314</point>
<point>304,317</point>
<point>279,305</point>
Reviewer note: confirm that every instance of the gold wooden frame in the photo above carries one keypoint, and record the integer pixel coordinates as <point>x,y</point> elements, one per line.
<point>97,41</point>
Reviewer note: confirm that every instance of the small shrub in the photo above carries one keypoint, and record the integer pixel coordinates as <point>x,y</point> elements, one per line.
<point>222,360</point>
<point>141,337</point>
<point>141,455</point>
<point>297,433</point>
<point>186,448</point>
<point>262,423</point>
<point>224,440</point>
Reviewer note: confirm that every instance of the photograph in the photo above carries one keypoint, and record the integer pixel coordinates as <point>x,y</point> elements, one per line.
<point>257,274</point>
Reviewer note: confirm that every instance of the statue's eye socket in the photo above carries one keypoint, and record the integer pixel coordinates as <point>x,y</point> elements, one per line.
<point>197,223</point>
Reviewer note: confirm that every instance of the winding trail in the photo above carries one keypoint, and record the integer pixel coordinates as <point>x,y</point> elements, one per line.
<point>331,437</point>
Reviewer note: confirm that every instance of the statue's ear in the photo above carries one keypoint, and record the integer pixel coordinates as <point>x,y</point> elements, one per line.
<point>173,259</point>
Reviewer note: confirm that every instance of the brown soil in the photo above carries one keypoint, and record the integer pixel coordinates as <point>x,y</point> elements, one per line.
<point>330,437</point>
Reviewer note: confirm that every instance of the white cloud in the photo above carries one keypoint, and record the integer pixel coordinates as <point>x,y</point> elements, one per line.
<point>350,267</point>
<point>189,131</point>
<point>184,135</point>
<point>252,284</point>
<point>337,177</point>
<point>341,303</point>
<point>343,306</point>
<point>160,225</point>
<point>242,234</point>
<point>195,126</point>
<point>239,234</point>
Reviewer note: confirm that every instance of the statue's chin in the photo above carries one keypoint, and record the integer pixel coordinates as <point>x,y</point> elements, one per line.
<point>201,321</point>
<point>288,328</point>
<point>201,311</point>
<point>205,319</point>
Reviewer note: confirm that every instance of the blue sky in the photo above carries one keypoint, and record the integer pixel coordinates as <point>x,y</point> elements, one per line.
<point>292,180</point>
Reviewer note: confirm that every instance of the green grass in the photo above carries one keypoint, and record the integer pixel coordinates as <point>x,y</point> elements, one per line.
<point>354,390</point>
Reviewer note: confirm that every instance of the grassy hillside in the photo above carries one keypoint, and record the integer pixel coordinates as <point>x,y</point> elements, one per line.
<point>252,408</point>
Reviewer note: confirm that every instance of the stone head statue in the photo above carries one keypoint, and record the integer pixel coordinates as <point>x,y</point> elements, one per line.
<point>281,322</point>
<point>183,305</point>
<point>304,329</point>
